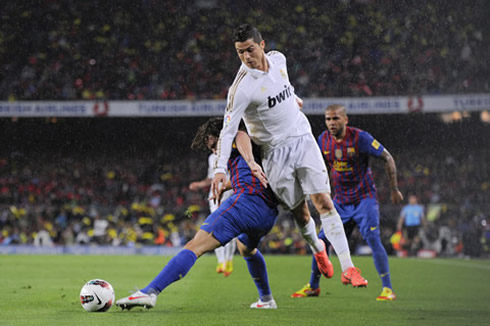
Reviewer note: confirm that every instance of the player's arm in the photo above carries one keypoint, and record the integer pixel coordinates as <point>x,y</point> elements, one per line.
<point>235,108</point>
<point>390,168</point>
<point>244,146</point>
<point>196,185</point>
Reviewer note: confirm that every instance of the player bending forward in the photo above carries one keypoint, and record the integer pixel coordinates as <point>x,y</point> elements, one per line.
<point>248,214</point>
<point>263,97</point>
<point>225,253</point>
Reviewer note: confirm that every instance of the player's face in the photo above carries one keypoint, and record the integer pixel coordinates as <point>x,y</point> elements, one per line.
<point>251,53</point>
<point>336,120</point>
<point>211,143</point>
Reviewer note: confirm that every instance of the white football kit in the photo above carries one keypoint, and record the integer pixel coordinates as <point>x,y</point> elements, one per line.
<point>213,205</point>
<point>267,103</point>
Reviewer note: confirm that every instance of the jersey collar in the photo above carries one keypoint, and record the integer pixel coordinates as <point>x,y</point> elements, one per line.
<point>258,73</point>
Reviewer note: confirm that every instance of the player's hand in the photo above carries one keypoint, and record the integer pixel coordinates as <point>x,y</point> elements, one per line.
<point>396,196</point>
<point>258,173</point>
<point>217,186</point>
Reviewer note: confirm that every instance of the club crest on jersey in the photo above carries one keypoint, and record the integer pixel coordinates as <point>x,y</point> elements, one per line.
<point>283,73</point>
<point>282,96</point>
<point>338,154</point>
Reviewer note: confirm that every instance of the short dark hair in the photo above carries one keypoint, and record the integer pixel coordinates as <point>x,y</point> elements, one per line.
<point>245,32</point>
<point>212,127</point>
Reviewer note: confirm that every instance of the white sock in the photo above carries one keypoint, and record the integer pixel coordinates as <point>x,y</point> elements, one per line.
<point>310,235</point>
<point>230,248</point>
<point>220,254</point>
<point>335,233</point>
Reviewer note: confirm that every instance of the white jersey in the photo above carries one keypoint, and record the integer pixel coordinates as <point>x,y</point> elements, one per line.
<point>212,204</point>
<point>268,106</point>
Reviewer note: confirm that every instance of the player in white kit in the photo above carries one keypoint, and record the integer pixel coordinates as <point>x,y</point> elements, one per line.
<point>263,97</point>
<point>225,253</point>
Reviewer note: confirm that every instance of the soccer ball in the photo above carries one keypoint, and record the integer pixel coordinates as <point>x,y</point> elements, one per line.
<point>97,296</point>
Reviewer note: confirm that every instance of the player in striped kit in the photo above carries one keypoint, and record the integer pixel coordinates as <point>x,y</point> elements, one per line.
<point>249,214</point>
<point>346,151</point>
<point>262,95</point>
<point>225,253</point>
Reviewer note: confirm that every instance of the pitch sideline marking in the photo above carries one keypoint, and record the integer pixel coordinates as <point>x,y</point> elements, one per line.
<point>456,263</point>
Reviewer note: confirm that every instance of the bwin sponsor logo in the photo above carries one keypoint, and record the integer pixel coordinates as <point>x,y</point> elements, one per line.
<point>282,96</point>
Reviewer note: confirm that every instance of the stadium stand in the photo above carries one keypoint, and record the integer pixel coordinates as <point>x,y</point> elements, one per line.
<point>69,183</point>
<point>65,50</point>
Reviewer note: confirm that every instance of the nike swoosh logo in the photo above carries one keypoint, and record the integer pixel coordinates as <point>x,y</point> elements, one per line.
<point>260,305</point>
<point>372,228</point>
<point>138,297</point>
<point>98,298</point>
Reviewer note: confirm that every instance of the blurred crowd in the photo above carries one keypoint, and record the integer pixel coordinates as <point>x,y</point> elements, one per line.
<point>146,49</point>
<point>49,200</point>
<point>164,50</point>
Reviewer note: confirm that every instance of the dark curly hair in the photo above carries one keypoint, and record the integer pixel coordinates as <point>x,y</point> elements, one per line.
<point>212,127</point>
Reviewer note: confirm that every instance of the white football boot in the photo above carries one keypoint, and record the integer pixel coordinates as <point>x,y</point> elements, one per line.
<point>271,304</point>
<point>137,299</point>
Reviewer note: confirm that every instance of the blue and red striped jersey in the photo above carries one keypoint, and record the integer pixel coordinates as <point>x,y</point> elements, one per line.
<point>242,179</point>
<point>348,161</point>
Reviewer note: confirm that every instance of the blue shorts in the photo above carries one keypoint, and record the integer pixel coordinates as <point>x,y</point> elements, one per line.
<point>245,216</point>
<point>365,214</point>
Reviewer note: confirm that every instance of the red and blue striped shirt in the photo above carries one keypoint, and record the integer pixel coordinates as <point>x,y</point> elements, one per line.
<point>243,181</point>
<point>348,161</point>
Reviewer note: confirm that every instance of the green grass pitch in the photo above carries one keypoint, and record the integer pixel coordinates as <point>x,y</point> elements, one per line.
<point>44,290</point>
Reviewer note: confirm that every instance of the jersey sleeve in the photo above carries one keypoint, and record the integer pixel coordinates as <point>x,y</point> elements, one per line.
<point>211,159</point>
<point>369,145</point>
<point>236,104</point>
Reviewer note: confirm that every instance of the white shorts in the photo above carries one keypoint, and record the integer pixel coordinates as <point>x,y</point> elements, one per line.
<point>295,169</point>
<point>214,205</point>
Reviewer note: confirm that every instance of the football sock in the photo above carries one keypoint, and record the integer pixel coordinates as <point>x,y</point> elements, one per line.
<point>315,274</point>
<point>380,258</point>
<point>309,234</point>
<point>230,249</point>
<point>258,271</point>
<point>176,269</point>
<point>220,254</point>
<point>334,231</point>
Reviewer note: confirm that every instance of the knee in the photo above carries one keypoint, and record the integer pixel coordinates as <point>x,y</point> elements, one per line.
<point>301,214</point>
<point>373,239</point>
<point>323,202</point>
<point>202,243</point>
<point>192,246</point>
<point>244,250</point>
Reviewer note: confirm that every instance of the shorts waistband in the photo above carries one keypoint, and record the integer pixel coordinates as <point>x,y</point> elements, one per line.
<point>268,147</point>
